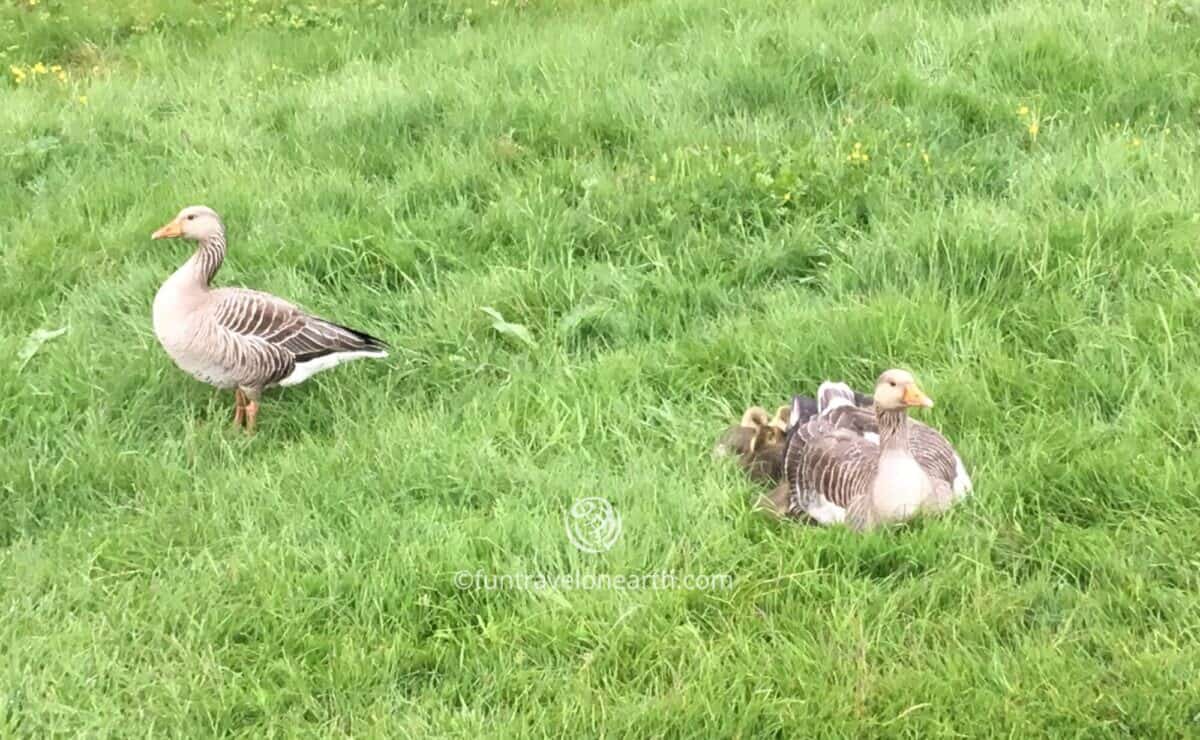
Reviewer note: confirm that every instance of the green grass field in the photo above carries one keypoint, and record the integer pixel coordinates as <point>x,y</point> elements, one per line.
<point>692,205</point>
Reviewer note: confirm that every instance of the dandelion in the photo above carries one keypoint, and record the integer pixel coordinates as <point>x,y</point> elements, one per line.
<point>858,155</point>
<point>38,69</point>
<point>18,74</point>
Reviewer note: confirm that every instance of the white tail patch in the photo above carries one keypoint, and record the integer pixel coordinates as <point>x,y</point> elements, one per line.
<point>825,512</point>
<point>962,481</point>
<point>309,368</point>
<point>831,395</point>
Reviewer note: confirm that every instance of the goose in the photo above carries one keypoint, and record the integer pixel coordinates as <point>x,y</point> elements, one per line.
<point>763,461</point>
<point>739,438</point>
<point>240,339</point>
<point>852,410</point>
<point>757,440</point>
<point>842,466</point>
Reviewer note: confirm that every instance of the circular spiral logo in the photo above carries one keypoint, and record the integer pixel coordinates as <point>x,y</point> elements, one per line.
<point>593,525</point>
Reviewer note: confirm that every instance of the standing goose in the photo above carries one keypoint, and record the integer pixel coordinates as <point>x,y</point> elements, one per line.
<point>836,472</point>
<point>240,339</point>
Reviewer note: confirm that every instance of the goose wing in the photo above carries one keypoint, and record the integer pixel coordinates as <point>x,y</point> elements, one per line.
<point>267,336</point>
<point>827,468</point>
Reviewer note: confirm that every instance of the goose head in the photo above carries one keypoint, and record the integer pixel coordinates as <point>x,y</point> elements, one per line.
<point>774,430</point>
<point>755,418</point>
<point>782,419</point>
<point>897,389</point>
<point>196,223</point>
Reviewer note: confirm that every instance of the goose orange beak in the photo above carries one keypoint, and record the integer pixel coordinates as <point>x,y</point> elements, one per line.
<point>914,396</point>
<point>170,231</point>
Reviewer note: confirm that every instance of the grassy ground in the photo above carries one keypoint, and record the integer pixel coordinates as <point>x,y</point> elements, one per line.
<point>692,206</point>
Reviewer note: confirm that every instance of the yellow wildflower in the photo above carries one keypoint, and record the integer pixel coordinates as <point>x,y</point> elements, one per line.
<point>1023,111</point>
<point>1033,129</point>
<point>18,74</point>
<point>38,69</point>
<point>925,156</point>
<point>1136,142</point>
<point>83,100</point>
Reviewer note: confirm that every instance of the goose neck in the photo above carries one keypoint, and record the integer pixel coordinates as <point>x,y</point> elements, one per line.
<point>208,257</point>
<point>893,429</point>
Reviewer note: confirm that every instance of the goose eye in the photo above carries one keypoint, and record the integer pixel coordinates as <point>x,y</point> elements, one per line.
<point>892,383</point>
<point>191,216</point>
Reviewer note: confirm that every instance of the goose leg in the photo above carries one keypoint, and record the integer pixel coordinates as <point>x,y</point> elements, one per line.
<point>251,396</point>
<point>239,410</point>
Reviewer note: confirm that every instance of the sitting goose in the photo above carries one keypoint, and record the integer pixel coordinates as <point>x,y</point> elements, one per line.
<point>739,438</point>
<point>836,473</point>
<point>849,409</point>
<point>240,339</point>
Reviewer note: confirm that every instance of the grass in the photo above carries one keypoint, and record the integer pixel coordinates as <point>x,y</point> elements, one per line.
<point>692,206</point>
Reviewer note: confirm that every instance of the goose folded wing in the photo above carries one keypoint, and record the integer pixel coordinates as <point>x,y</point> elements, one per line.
<point>841,465</point>
<point>276,322</point>
<point>825,460</point>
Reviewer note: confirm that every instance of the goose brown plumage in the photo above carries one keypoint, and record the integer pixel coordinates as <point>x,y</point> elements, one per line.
<point>757,441</point>
<point>239,339</point>
<point>739,438</point>
<point>848,409</point>
<point>842,467</point>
